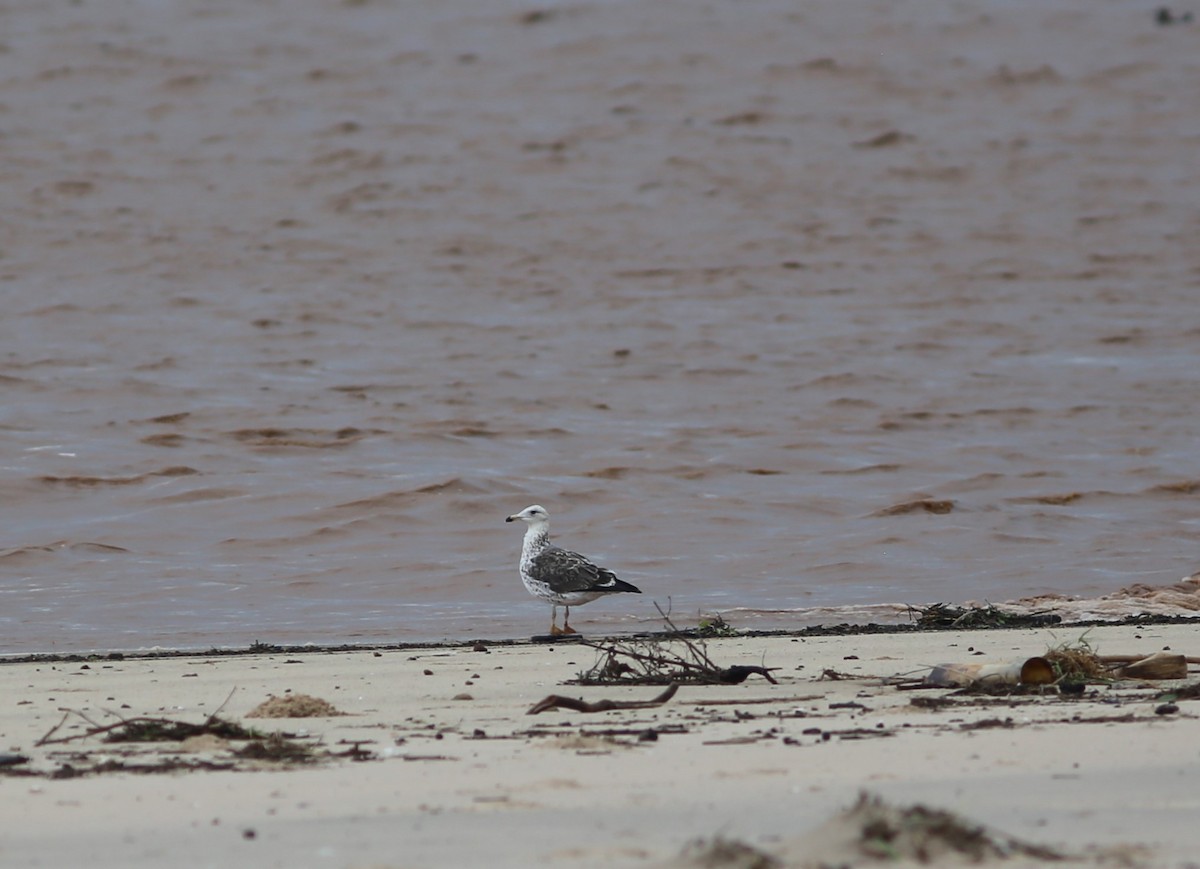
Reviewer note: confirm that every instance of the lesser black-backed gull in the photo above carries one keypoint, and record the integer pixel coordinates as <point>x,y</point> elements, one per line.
<point>559,576</point>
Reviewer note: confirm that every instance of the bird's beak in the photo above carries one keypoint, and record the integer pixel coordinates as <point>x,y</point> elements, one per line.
<point>511,519</point>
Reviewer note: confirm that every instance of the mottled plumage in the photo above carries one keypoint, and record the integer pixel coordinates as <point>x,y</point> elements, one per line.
<point>560,576</point>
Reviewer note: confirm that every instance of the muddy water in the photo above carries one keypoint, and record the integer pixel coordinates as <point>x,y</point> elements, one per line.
<point>782,314</point>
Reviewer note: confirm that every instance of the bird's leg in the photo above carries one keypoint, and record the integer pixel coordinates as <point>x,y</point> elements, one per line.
<point>567,629</point>
<point>554,629</point>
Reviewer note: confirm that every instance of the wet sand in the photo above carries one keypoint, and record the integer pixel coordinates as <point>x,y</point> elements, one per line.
<point>775,308</point>
<point>452,771</point>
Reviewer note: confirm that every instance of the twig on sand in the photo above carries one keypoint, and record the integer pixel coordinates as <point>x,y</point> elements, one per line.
<point>557,701</point>
<point>224,703</point>
<point>46,739</point>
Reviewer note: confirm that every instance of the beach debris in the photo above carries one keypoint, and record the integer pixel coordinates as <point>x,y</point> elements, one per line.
<point>1163,17</point>
<point>276,747</point>
<point>166,765</point>
<point>672,659</point>
<point>166,730</point>
<point>149,729</point>
<point>658,662</point>
<point>1160,665</point>
<point>558,701</point>
<point>1081,663</point>
<point>294,706</point>
<point>1078,663</point>
<point>1185,692</point>
<point>1069,666</point>
<point>739,673</point>
<point>213,734</point>
<point>873,830</point>
<point>831,675</point>
<point>1005,723</point>
<point>1027,671</point>
<point>259,746</point>
<point>715,626</point>
<point>754,701</point>
<point>940,616</point>
<point>722,853</point>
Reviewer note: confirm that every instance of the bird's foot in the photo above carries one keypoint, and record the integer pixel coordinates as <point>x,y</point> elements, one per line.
<point>556,631</point>
<point>567,629</point>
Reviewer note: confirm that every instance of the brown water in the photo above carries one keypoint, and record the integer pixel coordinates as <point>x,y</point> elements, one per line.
<point>301,299</point>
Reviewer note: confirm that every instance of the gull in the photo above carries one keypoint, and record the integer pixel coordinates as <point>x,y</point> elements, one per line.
<point>560,576</point>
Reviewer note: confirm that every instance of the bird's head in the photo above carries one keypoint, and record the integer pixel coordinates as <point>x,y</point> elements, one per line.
<point>535,515</point>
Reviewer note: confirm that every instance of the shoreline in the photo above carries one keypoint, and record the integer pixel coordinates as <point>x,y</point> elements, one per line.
<point>838,630</point>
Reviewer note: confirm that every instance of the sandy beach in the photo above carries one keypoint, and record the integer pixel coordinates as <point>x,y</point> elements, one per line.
<point>435,760</point>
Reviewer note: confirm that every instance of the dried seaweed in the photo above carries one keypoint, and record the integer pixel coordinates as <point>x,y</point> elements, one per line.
<point>926,835</point>
<point>276,747</point>
<point>715,626</point>
<point>166,730</point>
<point>148,729</point>
<point>1078,663</point>
<point>722,853</point>
<point>940,616</point>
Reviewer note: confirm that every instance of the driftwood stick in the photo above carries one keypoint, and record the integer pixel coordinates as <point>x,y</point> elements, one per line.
<point>86,718</point>
<point>217,711</point>
<point>557,701</point>
<point>54,729</point>
<point>1129,659</point>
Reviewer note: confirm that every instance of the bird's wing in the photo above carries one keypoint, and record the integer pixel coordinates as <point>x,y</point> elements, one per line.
<point>567,571</point>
